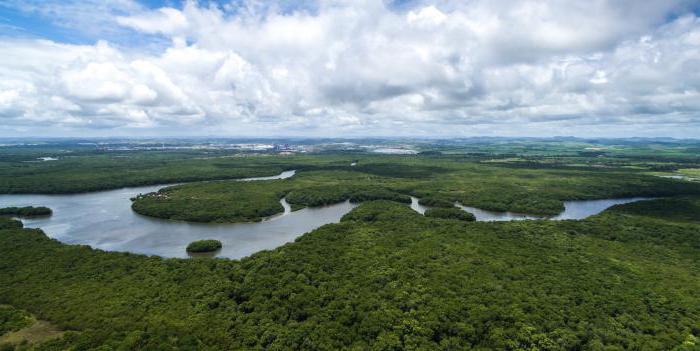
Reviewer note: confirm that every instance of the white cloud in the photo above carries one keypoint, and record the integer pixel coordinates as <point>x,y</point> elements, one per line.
<point>165,20</point>
<point>360,67</point>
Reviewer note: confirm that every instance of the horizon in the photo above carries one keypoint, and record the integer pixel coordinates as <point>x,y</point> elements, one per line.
<point>381,138</point>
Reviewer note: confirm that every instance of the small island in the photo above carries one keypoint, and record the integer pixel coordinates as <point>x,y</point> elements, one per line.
<point>201,246</point>
<point>450,213</point>
<point>27,211</point>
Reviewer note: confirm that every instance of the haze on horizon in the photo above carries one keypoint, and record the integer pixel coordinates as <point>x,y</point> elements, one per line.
<point>343,68</point>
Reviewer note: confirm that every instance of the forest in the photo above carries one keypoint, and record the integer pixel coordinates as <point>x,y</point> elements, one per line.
<point>384,277</point>
<point>204,246</point>
<point>437,182</point>
<point>450,213</point>
<point>27,211</point>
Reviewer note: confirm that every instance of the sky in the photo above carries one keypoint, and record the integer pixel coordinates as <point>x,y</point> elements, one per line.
<point>350,68</point>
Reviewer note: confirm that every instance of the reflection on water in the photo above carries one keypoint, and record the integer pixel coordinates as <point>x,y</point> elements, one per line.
<point>586,208</point>
<point>105,220</point>
<point>577,209</point>
<point>416,206</point>
<point>483,215</point>
<point>210,254</point>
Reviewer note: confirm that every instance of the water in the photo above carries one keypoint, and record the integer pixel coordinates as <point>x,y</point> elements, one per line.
<point>416,206</point>
<point>484,215</point>
<point>576,209</point>
<point>395,151</point>
<point>104,220</point>
<point>585,208</point>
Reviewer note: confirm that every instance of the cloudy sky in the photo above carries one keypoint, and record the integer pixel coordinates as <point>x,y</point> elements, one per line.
<point>350,68</point>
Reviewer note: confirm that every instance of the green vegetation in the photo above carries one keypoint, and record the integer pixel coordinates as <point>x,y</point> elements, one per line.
<point>680,209</point>
<point>234,201</point>
<point>9,223</point>
<point>231,201</point>
<point>28,334</point>
<point>28,211</point>
<point>12,319</point>
<point>384,278</point>
<point>326,195</point>
<point>435,202</point>
<point>437,182</point>
<point>450,213</point>
<point>115,170</point>
<point>204,246</point>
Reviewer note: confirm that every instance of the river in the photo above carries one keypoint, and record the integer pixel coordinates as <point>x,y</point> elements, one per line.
<point>104,220</point>
<point>575,209</point>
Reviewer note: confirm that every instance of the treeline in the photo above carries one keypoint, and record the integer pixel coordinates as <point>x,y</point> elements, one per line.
<point>679,208</point>
<point>220,201</point>
<point>9,223</point>
<point>450,213</point>
<point>27,211</point>
<point>110,171</point>
<point>204,246</point>
<point>435,202</point>
<point>326,195</point>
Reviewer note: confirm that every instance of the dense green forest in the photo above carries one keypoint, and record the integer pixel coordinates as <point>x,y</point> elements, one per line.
<point>103,171</point>
<point>385,278</point>
<point>679,208</point>
<point>81,168</point>
<point>450,213</point>
<point>12,319</point>
<point>204,246</point>
<point>438,182</point>
<point>27,211</point>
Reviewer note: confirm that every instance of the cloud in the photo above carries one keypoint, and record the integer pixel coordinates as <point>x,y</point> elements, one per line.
<point>90,18</point>
<point>365,67</point>
<point>166,20</point>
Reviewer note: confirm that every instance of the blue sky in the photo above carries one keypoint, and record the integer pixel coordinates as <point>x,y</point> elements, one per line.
<point>21,22</point>
<point>341,67</point>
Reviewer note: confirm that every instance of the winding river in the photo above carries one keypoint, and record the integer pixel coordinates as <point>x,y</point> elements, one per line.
<point>576,209</point>
<point>104,220</point>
